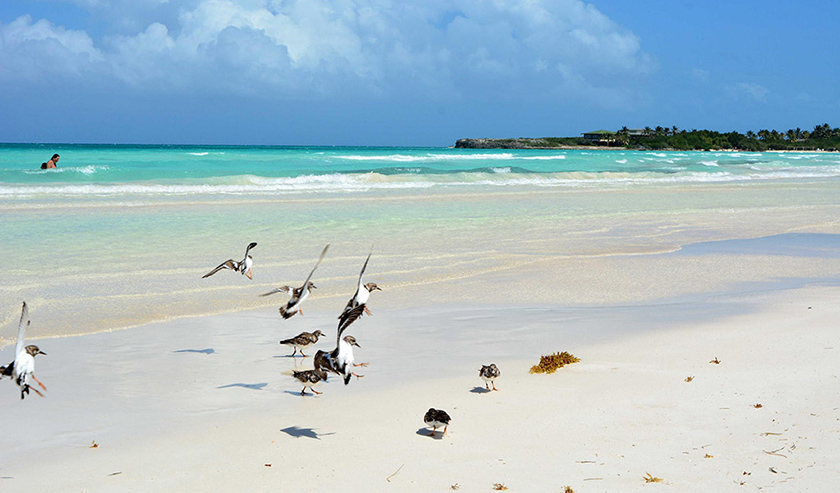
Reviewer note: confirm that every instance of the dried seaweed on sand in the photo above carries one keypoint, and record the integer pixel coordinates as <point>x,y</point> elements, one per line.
<point>550,363</point>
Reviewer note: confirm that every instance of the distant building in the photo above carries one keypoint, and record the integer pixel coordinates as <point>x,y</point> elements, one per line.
<point>600,136</point>
<point>635,132</point>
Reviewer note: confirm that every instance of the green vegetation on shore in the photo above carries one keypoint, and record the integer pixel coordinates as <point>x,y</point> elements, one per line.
<point>822,137</point>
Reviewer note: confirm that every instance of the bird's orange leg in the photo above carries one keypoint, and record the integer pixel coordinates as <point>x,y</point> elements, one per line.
<point>39,383</point>
<point>434,429</point>
<point>313,390</point>
<point>36,391</point>
<point>444,430</point>
<point>367,311</point>
<point>494,386</point>
<point>486,386</point>
<point>361,364</point>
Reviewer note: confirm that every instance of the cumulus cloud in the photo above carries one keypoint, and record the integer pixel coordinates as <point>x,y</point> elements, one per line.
<point>311,48</point>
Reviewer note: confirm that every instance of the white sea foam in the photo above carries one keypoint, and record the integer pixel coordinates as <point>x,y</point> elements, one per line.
<point>403,158</point>
<point>198,153</point>
<point>710,163</point>
<point>544,158</point>
<point>363,182</point>
<point>621,161</point>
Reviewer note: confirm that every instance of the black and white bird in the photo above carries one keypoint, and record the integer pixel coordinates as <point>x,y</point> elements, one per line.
<point>302,341</point>
<point>362,294</point>
<point>310,378</point>
<point>340,360</point>
<point>489,373</point>
<point>243,266</point>
<point>436,418</point>
<point>298,295</point>
<point>22,369</point>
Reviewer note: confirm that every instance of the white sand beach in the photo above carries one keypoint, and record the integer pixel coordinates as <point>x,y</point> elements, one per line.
<point>202,404</point>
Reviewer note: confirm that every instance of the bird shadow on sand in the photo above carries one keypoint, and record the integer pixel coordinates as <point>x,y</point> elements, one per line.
<point>298,394</point>
<point>480,390</point>
<point>252,386</point>
<point>202,351</point>
<point>425,432</point>
<point>291,356</point>
<point>296,432</point>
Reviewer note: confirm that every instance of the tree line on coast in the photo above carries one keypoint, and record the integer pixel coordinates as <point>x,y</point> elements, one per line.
<point>822,137</point>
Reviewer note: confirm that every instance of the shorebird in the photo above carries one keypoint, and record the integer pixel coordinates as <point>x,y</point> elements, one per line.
<point>23,367</point>
<point>489,373</point>
<point>243,266</point>
<point>436,418</point>
<point>298,295</point>
<point>360,297</point>
<point>310,378</point>
<point>302,341</point>
<point>341,360</point>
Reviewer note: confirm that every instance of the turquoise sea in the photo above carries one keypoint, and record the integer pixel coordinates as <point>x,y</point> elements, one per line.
<point>118,236</point>
<point>114,170</point>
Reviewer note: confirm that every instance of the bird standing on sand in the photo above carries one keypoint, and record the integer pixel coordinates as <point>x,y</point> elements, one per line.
<point>243,267</point>
<point>489,373</point>
<point>22,369</point>
<point>436,418</point>
<point>362,294</point>
<point>302,341</point>
<point>298,295</point>
<point>310,378</point>
<point>340,360</point>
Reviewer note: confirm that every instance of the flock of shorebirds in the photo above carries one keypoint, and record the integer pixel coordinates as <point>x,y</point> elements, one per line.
<point>339,361</point>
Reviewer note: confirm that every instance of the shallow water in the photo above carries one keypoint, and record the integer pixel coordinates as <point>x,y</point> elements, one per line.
<point>120,236</point>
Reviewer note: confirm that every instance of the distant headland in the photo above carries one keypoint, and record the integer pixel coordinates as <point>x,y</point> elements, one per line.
<point>821,138</point>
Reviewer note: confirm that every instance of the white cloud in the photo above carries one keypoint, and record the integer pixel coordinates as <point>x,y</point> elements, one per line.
<point>299,48</point>
<point>753,90</point>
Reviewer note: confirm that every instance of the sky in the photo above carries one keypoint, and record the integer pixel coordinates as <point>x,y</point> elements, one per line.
<point>408,72</point>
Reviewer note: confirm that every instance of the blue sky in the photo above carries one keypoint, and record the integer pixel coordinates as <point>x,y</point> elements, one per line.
<point>407,72</point>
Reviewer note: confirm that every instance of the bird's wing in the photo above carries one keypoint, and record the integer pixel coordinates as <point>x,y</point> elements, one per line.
<point>323,254</point>
<point>227,264</point>
<point>24,323</point>
<point>348,318</point>
<point>285,289</point>
<point>250,246</point>
<point>359,287</point>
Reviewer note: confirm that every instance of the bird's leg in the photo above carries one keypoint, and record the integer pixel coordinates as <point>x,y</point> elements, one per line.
<point>300,311</point>
<point>39,383</point>
<point>250,274</point>
<point>303,390</point>
<point>295,352</point>
<point>434,429</point>
<point>361,364</point>
<point>444,430</point>
<point>367,311</point>
<point>37,392</point>
<point>313,390</point>
<point>357,375</point>
<point>494,386</point>
<point>301,353</point>
<point>486,386</point>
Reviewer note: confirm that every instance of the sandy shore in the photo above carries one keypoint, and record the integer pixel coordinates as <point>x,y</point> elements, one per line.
<point>202,404</point>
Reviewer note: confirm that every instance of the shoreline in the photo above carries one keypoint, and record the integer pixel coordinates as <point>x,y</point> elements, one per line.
<point>213,425</point>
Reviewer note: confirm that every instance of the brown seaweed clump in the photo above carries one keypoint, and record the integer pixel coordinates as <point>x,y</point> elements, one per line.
<point>550,363</point>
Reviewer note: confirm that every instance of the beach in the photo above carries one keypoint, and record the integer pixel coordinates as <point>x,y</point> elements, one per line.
<point>646,276</point>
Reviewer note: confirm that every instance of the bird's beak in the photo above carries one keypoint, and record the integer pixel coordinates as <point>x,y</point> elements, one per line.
<point>41,352</point>
<point>356,344</point>
<point>377,287</point>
